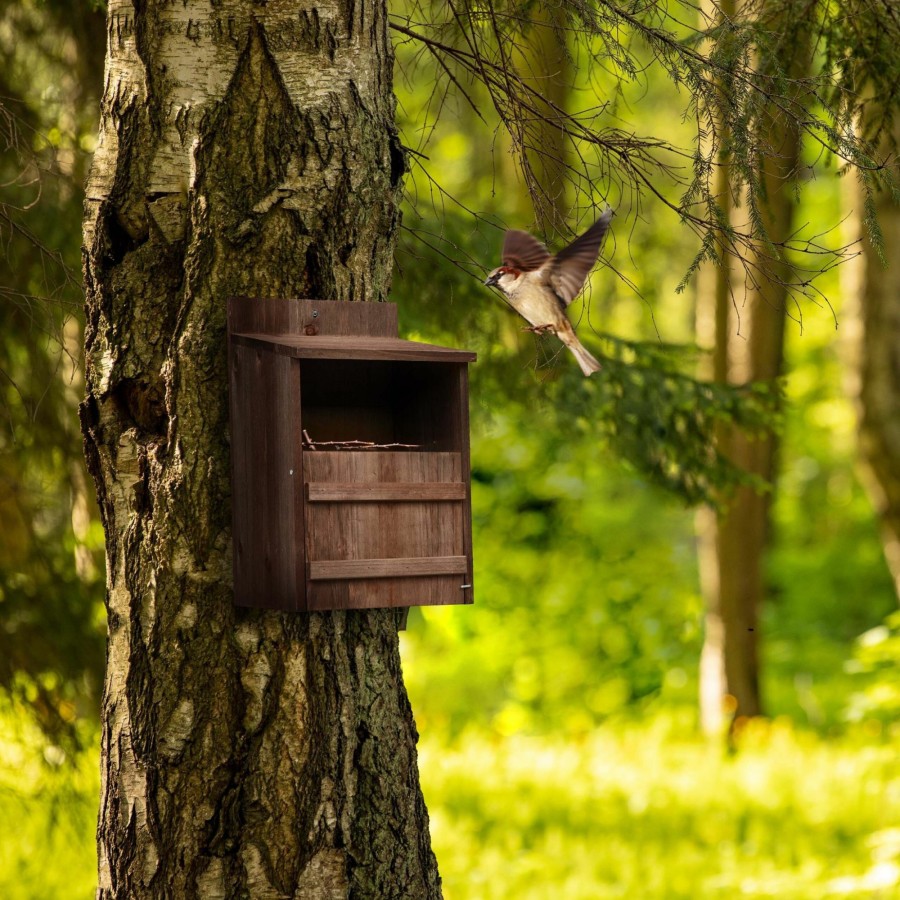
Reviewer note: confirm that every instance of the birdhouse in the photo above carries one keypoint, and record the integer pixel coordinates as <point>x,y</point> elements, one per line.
<point>350,459</point>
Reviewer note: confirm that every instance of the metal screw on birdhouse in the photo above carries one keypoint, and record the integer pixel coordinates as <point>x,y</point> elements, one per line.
<point>463,587</point>
<point>291,472</point>
<point>315,314</point>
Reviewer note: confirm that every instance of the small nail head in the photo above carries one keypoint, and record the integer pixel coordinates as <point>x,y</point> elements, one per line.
<point>315,314</point>
<point>291,472</point>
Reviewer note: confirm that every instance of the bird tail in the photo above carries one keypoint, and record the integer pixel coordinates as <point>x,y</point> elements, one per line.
<point>586,361</point>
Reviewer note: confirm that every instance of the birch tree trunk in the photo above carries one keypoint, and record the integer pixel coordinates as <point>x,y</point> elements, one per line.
<point>245,148</point>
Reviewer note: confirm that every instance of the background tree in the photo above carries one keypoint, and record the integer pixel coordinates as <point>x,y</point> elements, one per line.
<point>742,314</point>
<point>547,68</point>
<point>863,49</point>
<point>877,368</point>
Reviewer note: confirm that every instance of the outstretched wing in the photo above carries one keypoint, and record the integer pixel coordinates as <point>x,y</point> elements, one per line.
<point>523,252</point>
<point>571,266</point>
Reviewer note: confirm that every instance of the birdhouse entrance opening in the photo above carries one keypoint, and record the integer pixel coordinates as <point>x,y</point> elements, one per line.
<point>380,405</point>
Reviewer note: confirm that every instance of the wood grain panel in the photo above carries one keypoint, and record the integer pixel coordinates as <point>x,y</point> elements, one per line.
<point>360,531</point>
<point>378,593</point>
<point>265,396</point>
<point>337,569</point>
<point>381,466</point>
<point>403,492</point>
<point>384,530</point>
<point>279,316</point>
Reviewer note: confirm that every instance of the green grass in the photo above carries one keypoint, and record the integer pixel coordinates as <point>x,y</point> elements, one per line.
<point>633,811</point>
<point>646,812</point>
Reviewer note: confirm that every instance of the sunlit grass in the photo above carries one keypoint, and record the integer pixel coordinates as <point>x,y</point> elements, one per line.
<point>633,811</point>
<point>641,812</point>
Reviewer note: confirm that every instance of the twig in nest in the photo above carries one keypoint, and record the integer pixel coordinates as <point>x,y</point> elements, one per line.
<point>310,444</point>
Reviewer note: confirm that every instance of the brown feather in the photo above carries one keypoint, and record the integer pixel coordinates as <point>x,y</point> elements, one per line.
<point>523,252</point>
<point>571,265</point>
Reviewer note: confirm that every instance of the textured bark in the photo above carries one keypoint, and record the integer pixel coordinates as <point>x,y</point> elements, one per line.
<point>744,323</point>
<point>245,148</point>
<point>874,307</point>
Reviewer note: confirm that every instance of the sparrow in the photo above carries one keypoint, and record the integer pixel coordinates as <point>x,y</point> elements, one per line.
<point>539,286</point>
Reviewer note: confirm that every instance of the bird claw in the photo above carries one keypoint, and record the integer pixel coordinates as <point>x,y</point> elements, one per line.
<point>540,329</point>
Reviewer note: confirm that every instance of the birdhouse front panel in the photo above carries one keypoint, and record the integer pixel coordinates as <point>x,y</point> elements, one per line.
<point>350,459</point>
<point>385,529</point>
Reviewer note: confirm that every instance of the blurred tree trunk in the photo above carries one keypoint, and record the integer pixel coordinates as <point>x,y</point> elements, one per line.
<point>873,301</point>
<point>743,320</point>
<point>548,70</point>
<point>534,167</point>
<point>246,149</point>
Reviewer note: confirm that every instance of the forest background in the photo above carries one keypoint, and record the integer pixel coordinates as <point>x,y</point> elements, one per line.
<point>561,751</point>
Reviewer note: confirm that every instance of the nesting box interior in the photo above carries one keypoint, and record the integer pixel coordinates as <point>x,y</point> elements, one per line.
<point>350,459</point>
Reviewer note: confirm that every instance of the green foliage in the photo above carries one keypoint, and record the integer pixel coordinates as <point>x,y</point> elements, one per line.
<point>48,813</point>
<point>828,578</point>
<point>51,580</point>
<point>877,660</point>
<point>662,420</point>
<point>587,602</point>
<point>860,49</point>
<point>727,72</point>
<point>826,565</point>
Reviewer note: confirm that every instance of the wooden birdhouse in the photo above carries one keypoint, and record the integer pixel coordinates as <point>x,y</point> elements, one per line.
<point>350,459</point>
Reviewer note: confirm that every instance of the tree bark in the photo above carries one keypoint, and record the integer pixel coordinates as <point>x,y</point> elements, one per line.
<point>744,322</point>
<point>244,148</point>
<point>874,302</point>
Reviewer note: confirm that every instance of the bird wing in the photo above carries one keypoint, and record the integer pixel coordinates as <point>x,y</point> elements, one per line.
<point>570,267</point>
<point>523,252</point>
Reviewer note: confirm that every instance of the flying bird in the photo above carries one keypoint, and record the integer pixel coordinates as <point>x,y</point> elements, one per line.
<point>539,286</point>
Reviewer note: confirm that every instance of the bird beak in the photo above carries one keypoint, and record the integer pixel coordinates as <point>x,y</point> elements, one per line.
<point>491,280</point>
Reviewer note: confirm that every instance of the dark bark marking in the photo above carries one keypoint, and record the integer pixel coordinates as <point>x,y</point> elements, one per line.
<point>142,403</point>
<point>239,178</point>
<point>117,241</point>
<point>89,417</point>
<point>349,10</point>
<point>398,160</point>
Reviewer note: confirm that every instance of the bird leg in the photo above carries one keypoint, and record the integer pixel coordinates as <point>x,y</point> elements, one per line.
<point>541,329</point>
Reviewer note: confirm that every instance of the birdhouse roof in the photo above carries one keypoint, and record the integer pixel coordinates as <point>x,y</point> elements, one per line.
<point>331,346</point>
<point>329,329</point>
